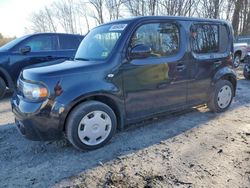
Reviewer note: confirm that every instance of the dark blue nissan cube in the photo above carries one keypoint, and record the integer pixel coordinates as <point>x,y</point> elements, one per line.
<point>126,71</point>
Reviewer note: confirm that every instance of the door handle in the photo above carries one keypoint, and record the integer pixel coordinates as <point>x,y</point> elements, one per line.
<point>180,67</point>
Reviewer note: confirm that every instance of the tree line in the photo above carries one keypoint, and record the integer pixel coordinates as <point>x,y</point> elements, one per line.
<point>72,16</point>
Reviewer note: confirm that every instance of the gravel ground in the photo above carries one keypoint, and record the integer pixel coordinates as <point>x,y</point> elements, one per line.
<point>195,149</point>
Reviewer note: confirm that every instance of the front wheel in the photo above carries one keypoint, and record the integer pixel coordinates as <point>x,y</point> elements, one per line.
<point>2,88</point>
<point>221,97</point>
<point>90,125</point>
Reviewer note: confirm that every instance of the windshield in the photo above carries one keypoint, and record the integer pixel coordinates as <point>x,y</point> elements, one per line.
<point>12,43</point>
<point>99,43</point>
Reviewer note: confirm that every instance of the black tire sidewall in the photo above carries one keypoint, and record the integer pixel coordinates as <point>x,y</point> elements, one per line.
<point>76,116</point>
<point>2,88</point>
<point>218,87</point>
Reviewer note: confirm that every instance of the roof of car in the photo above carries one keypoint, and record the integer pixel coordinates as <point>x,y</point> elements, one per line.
<point>144,18</point>
<point>50,33</point>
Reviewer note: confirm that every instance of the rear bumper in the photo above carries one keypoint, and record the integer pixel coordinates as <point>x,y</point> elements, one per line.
<point>37,121</point>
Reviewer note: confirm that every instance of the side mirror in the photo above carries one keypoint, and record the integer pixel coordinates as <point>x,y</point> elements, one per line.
<point>140,51</point>
<point>25,50</point>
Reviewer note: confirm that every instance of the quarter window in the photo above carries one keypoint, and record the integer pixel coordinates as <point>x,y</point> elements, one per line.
<point>224,38</point>
<point>163,38</point>
<point>205,38</point>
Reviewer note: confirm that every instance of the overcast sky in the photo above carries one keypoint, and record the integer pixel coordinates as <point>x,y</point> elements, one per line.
<point>14,15</point>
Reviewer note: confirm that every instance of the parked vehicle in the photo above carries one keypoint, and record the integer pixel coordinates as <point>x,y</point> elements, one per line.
<point>240,53</point>
<point>246,70</point>
<point>126,71</point>
<point>243,39</point>
<point>33,49</point>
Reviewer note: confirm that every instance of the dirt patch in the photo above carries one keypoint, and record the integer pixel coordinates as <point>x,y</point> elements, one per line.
<point>215,154</point>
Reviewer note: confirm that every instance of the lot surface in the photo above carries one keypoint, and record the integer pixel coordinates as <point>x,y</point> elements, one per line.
<point>194,149</point>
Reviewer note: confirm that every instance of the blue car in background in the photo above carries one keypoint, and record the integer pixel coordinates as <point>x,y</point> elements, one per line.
<point>32,50</point>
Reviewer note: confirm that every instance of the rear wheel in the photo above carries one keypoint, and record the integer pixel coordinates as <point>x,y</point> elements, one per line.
<point>221,97</point>
<point>91,125</point>
<point>2,87</point>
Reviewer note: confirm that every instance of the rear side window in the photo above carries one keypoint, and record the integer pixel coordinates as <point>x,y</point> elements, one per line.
<point>205,38</point>
<point>68,42</point>
<point>209,38</point>
<point>163,38</point>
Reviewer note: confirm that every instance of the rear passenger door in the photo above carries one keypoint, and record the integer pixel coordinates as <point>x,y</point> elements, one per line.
<point>157,83</point>
<point>68,44</point>
<point>209,50</point>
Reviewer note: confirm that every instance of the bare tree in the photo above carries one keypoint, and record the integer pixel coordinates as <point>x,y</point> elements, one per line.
<point>82,13</point>
<point>38,22</point>
<point>43,21</point>
<point>152,7</point>
<point>178,7</point>
<point>143,7</point>
<point>99,6</point>
<point>113,6</point>
<point>65,12</point>
<point>236,16</point>
<point>245,18</point>
<point>50,19</point>
<point>136,7</point>
<point>211,9</point>
<point>73,16</point>
<point>229,9</point>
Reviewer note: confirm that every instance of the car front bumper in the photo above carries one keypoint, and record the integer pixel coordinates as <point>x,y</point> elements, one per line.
<point>37,121</point>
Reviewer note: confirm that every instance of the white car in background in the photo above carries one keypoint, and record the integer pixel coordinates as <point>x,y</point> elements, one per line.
<point>240,52</point>
<point>242,49</point>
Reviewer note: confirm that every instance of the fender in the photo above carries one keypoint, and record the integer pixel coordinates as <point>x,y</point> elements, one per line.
<point>225,73</point>
<point>7,77</point>
<point>112,101</point>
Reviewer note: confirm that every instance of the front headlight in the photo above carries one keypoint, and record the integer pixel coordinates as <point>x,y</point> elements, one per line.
<point>32,91</point>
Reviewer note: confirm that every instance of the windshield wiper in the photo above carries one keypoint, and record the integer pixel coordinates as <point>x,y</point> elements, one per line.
<point>82,59</point>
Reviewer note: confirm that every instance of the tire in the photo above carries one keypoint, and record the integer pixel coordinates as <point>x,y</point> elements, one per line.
<point>246,73</point>
<point>2,88</point>
<point>86,133</point>
<point>236,61</point>
<point>217,103</point>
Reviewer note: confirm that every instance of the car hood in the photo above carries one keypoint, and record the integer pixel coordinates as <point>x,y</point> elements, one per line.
<point>58,69</point>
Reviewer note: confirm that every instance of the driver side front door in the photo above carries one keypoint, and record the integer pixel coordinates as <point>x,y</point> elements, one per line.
<point>157,83</point>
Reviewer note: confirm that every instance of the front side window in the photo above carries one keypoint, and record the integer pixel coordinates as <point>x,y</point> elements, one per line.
<point>39,43</point>
<point>100,42</point>
<point>162,38</point>
<point>205,38</point>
